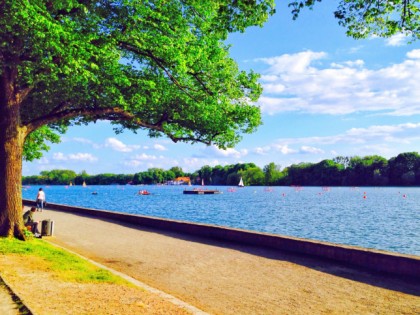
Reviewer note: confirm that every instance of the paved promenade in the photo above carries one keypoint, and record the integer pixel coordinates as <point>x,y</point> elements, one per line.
<point>226,278</point>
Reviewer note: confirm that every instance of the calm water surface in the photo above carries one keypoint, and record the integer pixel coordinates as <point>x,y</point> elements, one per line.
<point>381,218</point>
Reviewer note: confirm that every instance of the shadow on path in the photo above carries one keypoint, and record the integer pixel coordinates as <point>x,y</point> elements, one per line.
<point>378,279</point>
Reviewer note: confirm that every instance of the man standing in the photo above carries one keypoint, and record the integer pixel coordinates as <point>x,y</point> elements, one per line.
<point>40,200</point>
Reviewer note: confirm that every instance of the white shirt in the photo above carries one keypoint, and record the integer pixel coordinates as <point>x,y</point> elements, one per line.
<point>41,195</point>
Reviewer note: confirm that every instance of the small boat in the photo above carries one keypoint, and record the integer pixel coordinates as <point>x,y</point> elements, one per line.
<point>94,193</point>
<point>241,183</point>
<point>84,184</point>
<point>143,192</point>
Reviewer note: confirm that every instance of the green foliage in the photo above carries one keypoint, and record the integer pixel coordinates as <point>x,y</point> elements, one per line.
<point>57,177</point>
<point>364,18</point>
<point>272,173</point>
<point>28,234</point>
<point>36,142</point>
<point>177,171</point>
<point>156,65</point>
<point>370,170</point>
<point>253,176</point>
<point>404,169</point>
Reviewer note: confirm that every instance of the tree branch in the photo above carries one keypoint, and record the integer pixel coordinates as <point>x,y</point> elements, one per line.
<point>113,113</point>
<point>159,62</point>
<point>190,139</point>
<point>197,78</point>
<point>109,113</point>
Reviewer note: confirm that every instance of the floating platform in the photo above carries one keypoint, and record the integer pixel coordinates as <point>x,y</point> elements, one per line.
<point>202,192</point>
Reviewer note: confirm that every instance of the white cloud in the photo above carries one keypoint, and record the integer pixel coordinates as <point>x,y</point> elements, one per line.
<point>274,88</point>
<point>145,157</point>
<point>308,149</point>
<point>211,151</point>
<point>141,162</point>
<point>284,149</point>
<point>117,145</point>
<point>355,49</point>
<point>159,147</point>
<point>43,161</point>
<point>82,140</point>
<point>261,150</point>
<point>87,157</point>
<point>396,40</point>
<point>193,164</point>
<point>133,163</point>
<point>414,54</point>
<point>87,142</point>
<point>407,132</point>
<point>352,64</point>
<point>59,156</point>
<point>269,78</point>
<point>82,157</point>
<point>295,83</point>
<point>382,139</point>
<point>292,63</point>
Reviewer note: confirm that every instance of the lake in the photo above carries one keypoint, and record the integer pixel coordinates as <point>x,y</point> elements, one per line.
<point>386,218</point>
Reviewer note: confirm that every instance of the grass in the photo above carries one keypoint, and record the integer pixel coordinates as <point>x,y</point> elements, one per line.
<point>63,264</point>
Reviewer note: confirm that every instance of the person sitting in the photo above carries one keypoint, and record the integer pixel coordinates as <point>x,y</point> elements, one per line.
<point>28,220</point>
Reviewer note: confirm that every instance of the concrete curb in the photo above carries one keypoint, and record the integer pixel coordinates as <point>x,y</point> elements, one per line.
<point>21,306</point>
<point>375,260</point>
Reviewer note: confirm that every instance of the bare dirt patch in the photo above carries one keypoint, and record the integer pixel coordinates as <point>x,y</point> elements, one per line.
<point>7,305</point>
<point>44,293</point>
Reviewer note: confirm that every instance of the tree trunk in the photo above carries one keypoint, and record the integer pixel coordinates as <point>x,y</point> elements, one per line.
<point>12,137</point>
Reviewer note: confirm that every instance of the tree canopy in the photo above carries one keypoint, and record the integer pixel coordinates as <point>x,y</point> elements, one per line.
<point>160,66</point>
<point>157,65</point>
<point>365,18</point>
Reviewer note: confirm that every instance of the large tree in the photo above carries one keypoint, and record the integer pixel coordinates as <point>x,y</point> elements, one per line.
<point>156,65</point>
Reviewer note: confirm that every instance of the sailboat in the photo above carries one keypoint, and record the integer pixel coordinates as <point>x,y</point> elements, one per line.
<point>84,184</point>
<point>241,183</point>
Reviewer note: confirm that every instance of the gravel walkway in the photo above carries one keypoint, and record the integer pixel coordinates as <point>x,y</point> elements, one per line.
<point>224,278</point>
<point>7,305</point>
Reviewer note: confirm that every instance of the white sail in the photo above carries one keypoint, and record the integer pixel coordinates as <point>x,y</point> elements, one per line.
<point>241,183</point>
<point>84,184</point>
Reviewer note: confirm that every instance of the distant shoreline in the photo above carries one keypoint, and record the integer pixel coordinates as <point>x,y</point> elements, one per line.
<point>402,170</point>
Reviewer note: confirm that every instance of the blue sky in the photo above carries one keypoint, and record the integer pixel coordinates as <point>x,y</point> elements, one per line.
<point>324,95</point>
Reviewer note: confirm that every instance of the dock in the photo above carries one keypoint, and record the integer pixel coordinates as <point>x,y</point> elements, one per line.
<point>202,192</point>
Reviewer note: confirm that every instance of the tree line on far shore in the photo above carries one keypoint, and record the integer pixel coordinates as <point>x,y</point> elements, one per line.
<point>374,170</point>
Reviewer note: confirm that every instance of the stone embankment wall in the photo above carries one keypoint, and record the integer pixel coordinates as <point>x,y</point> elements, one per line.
<point>382,261</point>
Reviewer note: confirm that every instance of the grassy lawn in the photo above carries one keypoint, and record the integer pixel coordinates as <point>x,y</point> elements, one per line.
<point>62,264</point>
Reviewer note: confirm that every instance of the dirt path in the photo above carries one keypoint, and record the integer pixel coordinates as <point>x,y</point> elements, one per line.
<point>7,306</point>
<point>222,278</point>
